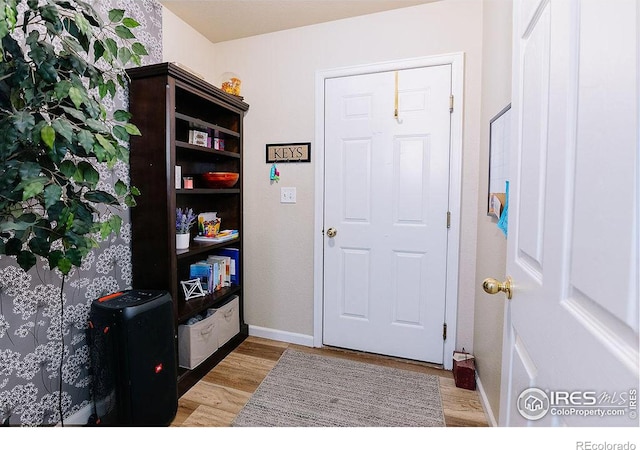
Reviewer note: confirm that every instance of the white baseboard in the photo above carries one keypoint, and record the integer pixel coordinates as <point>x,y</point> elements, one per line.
<point>283,336</point>
<point>488,412</point>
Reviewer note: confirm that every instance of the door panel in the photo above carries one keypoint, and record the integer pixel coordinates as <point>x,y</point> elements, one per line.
<point>386,194</point>
<point>534,144</point>
<point>572,324</point>
<point>355,283</point>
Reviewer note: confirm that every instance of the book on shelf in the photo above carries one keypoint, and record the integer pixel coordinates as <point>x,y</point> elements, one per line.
<point>234,255</point>
<point>223,236</point>
<point>224,264</point>
<point>210,273</point>
<point>204,272</point>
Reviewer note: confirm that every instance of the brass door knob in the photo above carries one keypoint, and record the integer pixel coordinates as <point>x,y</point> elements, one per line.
<point>493,286</point>
<point>331,232</point>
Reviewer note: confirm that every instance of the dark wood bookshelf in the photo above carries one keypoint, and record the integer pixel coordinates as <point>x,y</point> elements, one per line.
<point>167,101</point>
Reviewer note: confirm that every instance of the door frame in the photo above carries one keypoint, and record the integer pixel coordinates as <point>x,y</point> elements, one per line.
<point>455,185</point>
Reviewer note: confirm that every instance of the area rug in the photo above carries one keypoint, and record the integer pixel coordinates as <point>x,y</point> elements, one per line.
<point>309,390</point>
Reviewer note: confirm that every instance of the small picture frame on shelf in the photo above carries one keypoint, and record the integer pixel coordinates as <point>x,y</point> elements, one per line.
<point>197,137</point>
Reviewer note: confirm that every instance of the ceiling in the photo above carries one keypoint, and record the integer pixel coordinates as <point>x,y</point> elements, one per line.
<point>224,20</point>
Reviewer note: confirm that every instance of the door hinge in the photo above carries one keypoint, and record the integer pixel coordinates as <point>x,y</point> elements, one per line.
<point>448,219</point>
<point>444,331</point>
<point>451,103</point>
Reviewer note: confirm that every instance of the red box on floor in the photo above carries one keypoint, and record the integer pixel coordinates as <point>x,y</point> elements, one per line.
<point>464,370</point>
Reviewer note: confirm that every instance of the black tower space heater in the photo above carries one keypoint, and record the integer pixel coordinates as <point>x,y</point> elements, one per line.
<point>133,359</point>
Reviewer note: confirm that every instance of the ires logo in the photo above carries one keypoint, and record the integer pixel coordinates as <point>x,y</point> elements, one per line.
<point>534,403</point>
<point>577,398</point>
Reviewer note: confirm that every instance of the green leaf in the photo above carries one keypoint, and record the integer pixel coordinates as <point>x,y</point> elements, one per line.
<point>85,139</point>
<point>123,32</point>
<point>83,24</point>
<point>111,87</point>
<point>97,125</point>
<point>132,129</point>
<point>121,115</point>
<point>63,128</point>
<point>52,194</point>
<point>68,168</point>
<point>89,174</point>
<point>120,133</point>
<point>63,264</point>
<point>26,260</point>
<point>136,59</point>
<point>134,190</point>
<point>61,89</point>
<point>13,246</point>
<point>32,187</point>
<point>130,23</point>
<point>42,229</point>
<point>55,212</point>
<point>105,230</point>
<point>48,72</point>
<point>39,246</point>
<point>124,55</point>
<point>116,223</point>
<point>8,16</point>
<point>139,49</point>
<point>112,46</point>
<point>102,90</point>
<point>73,44</point>
<point>48,135</point>
<point>120,187</point>
<point>75,94</point>
<point>123,154</point>
<point>98,50</point>
<point>75,256</point>
<point>71,27</point>
<point>49,13</point>
<point>130,201</point>
<point>29,218</point>
<point>29,170</point>
<point>54,257</point>
<point>75,113</point>
<point>99,153</point>
<point>105,143</point>
<point>116,15</point>
<point>16,225</point>
<point>101,197</point>
<point>23,121</point>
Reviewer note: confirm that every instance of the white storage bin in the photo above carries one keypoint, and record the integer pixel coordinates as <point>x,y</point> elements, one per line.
<point>228,320</point>
<point>197,342</point>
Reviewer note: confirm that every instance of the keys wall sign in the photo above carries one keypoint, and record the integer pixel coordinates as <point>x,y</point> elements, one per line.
<point>289,153</point>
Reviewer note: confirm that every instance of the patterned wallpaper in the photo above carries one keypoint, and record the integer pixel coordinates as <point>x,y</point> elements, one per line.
<point>32,317</point>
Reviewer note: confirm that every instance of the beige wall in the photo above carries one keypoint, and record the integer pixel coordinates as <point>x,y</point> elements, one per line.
<point>184,45</point>
<point>492,244</point>
<point>278,81</point>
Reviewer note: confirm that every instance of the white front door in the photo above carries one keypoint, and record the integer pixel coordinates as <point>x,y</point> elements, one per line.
<point>386,197</point>
<point>571,329</point>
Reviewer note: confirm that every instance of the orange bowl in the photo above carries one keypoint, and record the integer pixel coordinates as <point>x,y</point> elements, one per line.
<point>219,180</point>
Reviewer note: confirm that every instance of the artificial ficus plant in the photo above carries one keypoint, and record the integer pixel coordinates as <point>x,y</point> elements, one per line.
<point>58,61</point>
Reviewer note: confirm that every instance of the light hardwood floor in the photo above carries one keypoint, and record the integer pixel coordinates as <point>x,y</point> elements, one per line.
<point>219,396</point>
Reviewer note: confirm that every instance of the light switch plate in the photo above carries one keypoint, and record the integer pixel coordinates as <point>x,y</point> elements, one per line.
<point>287,195</point>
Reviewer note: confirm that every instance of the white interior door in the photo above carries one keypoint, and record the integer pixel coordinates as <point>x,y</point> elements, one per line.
<point>571,329</point>
<point>386,197</point>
